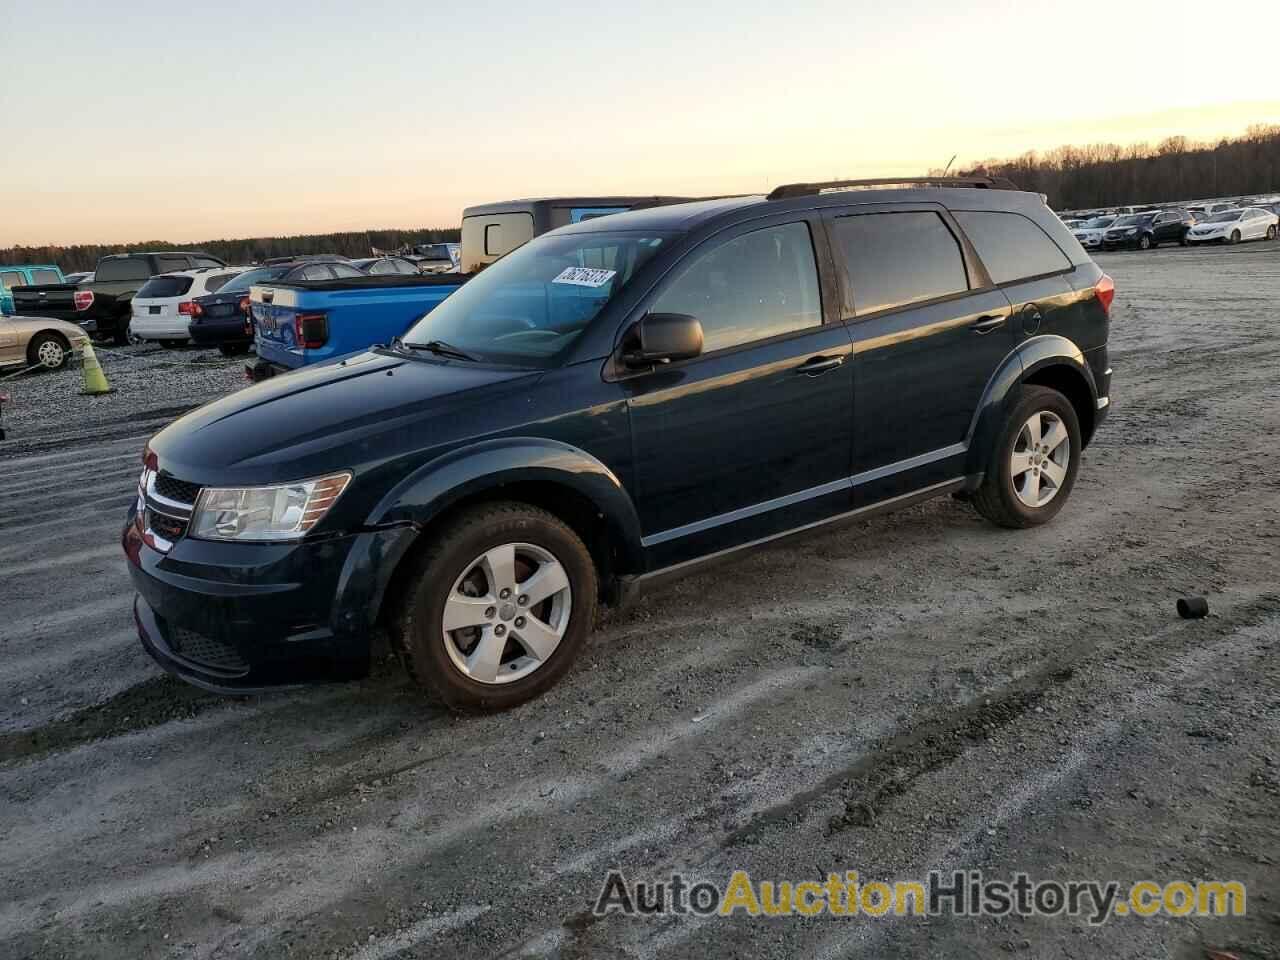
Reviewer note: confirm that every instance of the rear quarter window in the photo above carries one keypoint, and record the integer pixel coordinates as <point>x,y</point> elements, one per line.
<point>126,268</point>
<point>163,287</point>
<point>1012,247</point>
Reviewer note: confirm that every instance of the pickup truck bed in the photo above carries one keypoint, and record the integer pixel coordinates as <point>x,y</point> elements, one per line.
<point>310,321</point>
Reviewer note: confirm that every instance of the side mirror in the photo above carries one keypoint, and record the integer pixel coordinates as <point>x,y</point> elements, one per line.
<point>664,337</point>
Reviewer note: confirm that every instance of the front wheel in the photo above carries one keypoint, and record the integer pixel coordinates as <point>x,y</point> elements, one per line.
<point>1271,232</point>
<point>1145,242</point>
<point>48,350</point>
<point>1234,238</point>
<point>497,607</point>
<point>1034,464</point>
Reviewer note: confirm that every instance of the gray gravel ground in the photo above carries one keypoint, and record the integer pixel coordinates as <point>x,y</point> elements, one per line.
<point>917,691</point>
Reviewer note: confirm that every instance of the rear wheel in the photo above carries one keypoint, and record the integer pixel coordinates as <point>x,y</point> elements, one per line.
<point>1145,242</point>
<point>1034,463</point>
<point>497,608</point>
<point>1271,232</point>
<point>49,350</point>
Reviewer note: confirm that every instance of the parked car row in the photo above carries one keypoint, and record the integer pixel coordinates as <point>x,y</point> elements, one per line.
<point>1149,229</point>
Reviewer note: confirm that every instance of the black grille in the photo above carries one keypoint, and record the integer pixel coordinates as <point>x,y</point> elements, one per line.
<point>206,651</point>
<point>178,490</point>
<point>165,526</point>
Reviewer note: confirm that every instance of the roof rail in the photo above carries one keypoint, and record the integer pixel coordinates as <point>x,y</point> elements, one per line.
<point>788,190</point>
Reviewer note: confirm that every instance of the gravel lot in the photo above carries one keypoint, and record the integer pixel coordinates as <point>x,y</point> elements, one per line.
<point>918,691</point>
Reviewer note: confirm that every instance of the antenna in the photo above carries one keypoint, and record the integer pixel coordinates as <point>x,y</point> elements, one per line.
<point>947,168</point>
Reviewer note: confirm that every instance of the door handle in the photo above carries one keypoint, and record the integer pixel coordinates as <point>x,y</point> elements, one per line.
<point>987,324</point>
<point>816,366</point>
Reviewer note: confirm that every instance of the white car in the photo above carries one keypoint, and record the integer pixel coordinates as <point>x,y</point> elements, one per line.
<point>1232,226</point>
<point>1090,232</point>
<point>163,308</point>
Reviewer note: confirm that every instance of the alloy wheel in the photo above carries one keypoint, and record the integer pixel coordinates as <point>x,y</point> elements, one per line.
<point>507,613</point>
<point>51,354</point>
<point>1040,458</point>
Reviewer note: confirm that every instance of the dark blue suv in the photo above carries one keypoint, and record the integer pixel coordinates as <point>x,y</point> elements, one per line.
<point>611,404</point>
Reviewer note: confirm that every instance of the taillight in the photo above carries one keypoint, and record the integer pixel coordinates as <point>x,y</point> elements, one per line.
<point>187,309</point>
<point>311,330</point>
<point>1106,291</point>
<point>84,299</point>
<point>244,305</point>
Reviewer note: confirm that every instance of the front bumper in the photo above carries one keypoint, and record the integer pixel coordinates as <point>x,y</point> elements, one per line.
<point>241,617</point>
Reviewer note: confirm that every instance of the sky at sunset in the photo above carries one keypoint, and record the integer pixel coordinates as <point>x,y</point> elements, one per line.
<point>145,120</point>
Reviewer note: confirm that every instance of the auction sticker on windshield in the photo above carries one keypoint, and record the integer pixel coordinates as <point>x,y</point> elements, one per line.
<point>584,276</point>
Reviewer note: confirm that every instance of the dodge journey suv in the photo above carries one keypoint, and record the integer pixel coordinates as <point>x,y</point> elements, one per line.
<point>609,405</point>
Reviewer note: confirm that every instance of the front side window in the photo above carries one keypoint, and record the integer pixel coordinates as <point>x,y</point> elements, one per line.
<point>536,301</point>
<point>895,259</point>
<point>1011,246</point>
<point>758,285</point>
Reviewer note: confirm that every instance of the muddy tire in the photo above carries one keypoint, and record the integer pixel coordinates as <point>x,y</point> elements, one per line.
<point>496,608</point>
<point>1034,462</point>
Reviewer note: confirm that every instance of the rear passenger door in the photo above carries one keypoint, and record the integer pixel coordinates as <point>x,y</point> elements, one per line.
<point>928,330</point>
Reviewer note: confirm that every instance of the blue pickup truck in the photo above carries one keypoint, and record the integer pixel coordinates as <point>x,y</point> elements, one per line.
<point>303,322</point>
<point>25,276</point>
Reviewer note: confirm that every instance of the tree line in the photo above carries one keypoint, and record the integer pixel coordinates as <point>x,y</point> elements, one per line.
<point>84,256</point>
<point>1108,175</point>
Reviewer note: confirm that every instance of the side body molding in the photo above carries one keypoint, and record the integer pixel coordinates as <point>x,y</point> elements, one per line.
<point>1004,387</point>
<point>459,474</point>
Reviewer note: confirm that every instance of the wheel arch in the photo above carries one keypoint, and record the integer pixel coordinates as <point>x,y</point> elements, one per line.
<point>564,480</point>
<point>48,332</point>
<point>1049,360</point>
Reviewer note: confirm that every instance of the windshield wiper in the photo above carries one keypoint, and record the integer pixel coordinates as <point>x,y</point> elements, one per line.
<point>438,347</point>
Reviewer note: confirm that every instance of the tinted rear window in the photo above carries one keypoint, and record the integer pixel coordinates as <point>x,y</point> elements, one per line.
<point>894,259</point>
<point>159,287</point>
<point>126,268</point>
<point>242,283</point>
<point>1011,246</point>
<point>218,281</point>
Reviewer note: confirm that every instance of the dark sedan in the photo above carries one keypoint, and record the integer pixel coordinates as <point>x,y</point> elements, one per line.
<point>221,319</point>
<point>1147,230</point>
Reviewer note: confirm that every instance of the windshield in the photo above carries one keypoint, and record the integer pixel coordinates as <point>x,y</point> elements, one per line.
<point>537,300</point>
<point>242,283</point>
<point>1133,219</point>
<point>1225,217</point>
<point>1099,222</point>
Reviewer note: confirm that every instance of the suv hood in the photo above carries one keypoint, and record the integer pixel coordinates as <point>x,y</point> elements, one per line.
<point>299,425</point>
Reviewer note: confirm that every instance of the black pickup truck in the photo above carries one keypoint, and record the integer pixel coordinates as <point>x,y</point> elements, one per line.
<point>102,306</point>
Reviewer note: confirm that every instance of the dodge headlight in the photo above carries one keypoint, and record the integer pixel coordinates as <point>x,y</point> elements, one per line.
<point>282,512</point>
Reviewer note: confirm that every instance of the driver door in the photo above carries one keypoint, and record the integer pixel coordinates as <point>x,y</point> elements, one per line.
<point>754,436</point>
